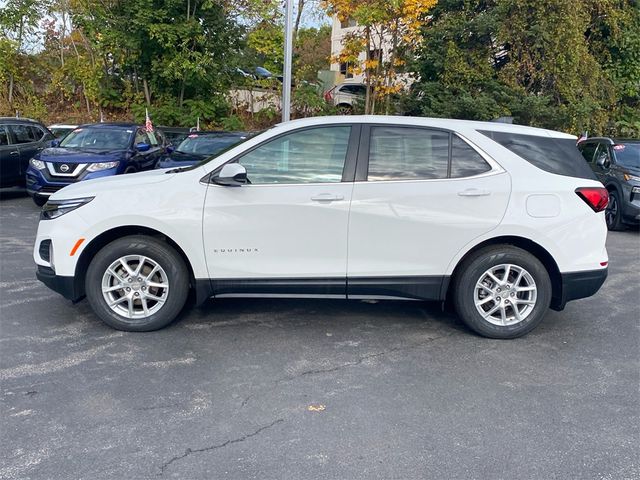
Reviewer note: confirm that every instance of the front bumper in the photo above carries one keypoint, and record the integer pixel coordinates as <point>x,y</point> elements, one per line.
<point>65,286</point>
<point>42,184</point>
<point>576,285</point>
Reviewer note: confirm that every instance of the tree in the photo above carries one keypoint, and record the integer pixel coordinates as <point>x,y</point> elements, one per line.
<point>545,63</point>
<point>386,35</point>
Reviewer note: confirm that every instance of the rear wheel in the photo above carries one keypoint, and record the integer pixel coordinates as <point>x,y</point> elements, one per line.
<point>137,283</point>
<point>502,292</point>
<point>345,109</point>
<point>613,213</point>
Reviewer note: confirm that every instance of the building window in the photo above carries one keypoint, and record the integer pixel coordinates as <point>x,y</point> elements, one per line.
<point>344,70</point>
<point>347,22</point>
<point>375,54</point>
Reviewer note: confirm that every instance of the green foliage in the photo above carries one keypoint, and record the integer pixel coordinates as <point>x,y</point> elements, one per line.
<point>550,64</point>
<point>233,123</point>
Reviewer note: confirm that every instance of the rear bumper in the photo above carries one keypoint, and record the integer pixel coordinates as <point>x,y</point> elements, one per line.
<point>65,286</point>
<point>577,285</point>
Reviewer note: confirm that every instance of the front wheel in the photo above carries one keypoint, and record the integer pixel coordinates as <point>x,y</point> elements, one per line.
<point>502,292</point>
<point>137,284</point>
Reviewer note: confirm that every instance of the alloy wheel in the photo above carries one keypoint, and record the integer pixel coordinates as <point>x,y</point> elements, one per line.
<point>135,286</point>
<point>505,294</point>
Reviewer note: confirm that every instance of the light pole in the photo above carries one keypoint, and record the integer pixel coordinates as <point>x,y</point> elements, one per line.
<point>288,55</point>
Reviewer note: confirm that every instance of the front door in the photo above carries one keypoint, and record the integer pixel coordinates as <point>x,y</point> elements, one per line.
<point>425,195</point>
<point>285,233</point>
<point>9,160</point>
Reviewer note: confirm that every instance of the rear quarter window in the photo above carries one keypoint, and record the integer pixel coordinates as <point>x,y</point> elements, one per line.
<point>553,155</point>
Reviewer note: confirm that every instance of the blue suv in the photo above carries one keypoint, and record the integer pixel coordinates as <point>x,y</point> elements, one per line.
<point>93,151</point>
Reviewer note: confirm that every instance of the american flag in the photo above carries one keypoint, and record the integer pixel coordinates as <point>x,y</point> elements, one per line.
<point>582,138</point>
<point>147,122</point>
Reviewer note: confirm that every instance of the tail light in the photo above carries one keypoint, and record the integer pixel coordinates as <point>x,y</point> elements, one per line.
<point>327,96</point>
<point>596,197</point>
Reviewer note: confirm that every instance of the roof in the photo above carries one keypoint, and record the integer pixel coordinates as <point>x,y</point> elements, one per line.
<point>19,120</point>
<point>445,123</point>
<point>62,125</point>
<point>111,125</point>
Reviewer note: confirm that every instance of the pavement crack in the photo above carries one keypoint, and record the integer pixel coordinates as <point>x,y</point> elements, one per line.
<point>354,363</point>
<point>190,451</point>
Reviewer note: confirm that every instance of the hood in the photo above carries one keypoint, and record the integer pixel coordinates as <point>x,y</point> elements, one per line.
<point>93,187</point>
<point>73,155</point>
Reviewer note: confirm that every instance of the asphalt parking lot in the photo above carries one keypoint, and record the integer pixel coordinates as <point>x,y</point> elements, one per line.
<point>293,389</point>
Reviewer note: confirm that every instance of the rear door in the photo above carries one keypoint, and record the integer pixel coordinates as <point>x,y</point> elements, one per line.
<point>9,160</point>
<point>420,196</point>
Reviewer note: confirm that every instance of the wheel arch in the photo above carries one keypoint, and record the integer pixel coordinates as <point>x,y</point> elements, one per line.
<point>198,290</point>
<point>526,244</point>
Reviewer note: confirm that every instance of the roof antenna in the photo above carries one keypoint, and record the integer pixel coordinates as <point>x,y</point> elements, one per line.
<point>101,116</point>
<point>17,113</point>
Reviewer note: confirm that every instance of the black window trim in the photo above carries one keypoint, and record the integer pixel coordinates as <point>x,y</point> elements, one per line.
<point>362,165</point>
<point>348,171</point>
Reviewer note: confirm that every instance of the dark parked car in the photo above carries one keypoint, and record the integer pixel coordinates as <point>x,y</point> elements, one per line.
<point>616,163</point>
<point>198,146</point>
<point>174,135</point>
<point>92,151</point>
<point>20,140</point>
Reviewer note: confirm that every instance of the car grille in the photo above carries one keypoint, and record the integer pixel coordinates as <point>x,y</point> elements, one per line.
<point>66,168</point>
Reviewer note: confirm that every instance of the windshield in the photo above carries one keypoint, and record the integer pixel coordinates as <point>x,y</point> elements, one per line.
<point>628,154</point>
<point>98,139</point>
<point>207,145</point>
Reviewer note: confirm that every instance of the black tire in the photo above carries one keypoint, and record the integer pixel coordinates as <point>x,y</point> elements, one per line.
<point>471,273</point>
<point>613,213</point>
<point>130,170</point>
<point>39,201</point>
<point>159,252</point>
<point>345,109</point>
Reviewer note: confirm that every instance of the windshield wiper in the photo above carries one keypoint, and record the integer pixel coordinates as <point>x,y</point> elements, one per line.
<point>179,169</point>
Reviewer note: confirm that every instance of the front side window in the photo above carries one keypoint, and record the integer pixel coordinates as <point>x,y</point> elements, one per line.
<point>315,155</point>
<point>602,155</point>
<point>101,139</point>
<point>142,137</point>
<point>404,153</point>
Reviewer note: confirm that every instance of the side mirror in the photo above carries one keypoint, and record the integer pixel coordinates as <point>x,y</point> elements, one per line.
<point>170,149</point>
<point>232,175</point>
<point>143,147</point>
<point>55,143</point>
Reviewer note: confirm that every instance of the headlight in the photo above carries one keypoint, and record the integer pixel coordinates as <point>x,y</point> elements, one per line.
<point>96,167</point>
<point>39,164</point>
<point>56,208</point>
<point>631,177</point>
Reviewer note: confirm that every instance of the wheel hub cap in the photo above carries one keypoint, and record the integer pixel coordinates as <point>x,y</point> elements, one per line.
<point>505,294</point>
<point>135,286</point>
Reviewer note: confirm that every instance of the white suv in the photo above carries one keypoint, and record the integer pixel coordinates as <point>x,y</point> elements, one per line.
<point>504,221</point>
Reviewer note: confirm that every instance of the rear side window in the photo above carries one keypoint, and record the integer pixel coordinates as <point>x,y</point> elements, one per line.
<point>4,136</point>
<point>411,153</point>
<point>465,161</point>
<point>553,155</point>
<point>26,133</point>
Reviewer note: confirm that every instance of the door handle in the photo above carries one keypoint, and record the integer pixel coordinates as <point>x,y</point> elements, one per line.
<point>327,197</point>
<point>474,192</point>
<point>15,152</point>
